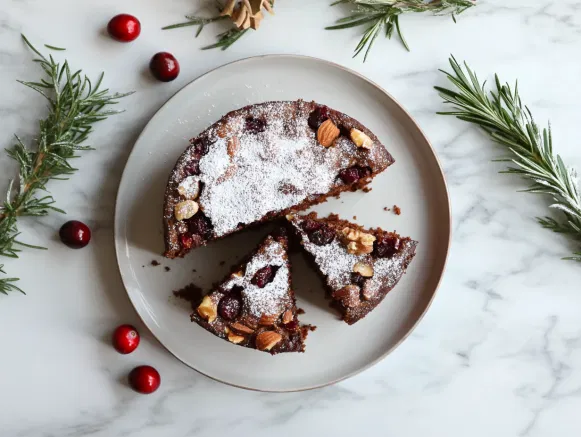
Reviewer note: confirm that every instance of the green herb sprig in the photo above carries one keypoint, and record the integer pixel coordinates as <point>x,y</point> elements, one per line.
<point>383,16</point>
<point>75,104</point>
<point>503,117</point>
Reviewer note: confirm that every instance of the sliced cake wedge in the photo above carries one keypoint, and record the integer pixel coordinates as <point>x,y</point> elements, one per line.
<point>360,266</point>
<point>255,305</point>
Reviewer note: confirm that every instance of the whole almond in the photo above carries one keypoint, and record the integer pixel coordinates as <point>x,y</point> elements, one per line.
<point>327,133</point>
<point>268,319</point>
<point>241,328</point>
<point>235,338</point>
<point>266,340</point>
<point>233,145</point>
<point>207,309</point>
<point>288,316</point>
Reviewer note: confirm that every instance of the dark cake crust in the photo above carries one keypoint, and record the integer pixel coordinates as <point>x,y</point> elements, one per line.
<point>295,122</point>
<point>332,260</point>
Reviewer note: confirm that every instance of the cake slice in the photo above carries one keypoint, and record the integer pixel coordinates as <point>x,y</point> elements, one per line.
<point>255,305</point>
<point>260,162</point>
<point>360,266</point>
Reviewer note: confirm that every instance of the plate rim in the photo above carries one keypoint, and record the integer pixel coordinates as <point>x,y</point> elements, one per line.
<point>419,130</point>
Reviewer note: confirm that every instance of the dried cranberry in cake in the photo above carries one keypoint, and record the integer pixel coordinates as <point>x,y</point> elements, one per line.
<point>262,161</point>
<point>311,225</point>
<point>255,125</point>
<point>255,306</point>
<point>318,116</point>
<point>386,246</point>
<point>357,277</point>
<point>264,276</point>
<point>229,307</point>
<point>322,236</point>
<point>186,241</point>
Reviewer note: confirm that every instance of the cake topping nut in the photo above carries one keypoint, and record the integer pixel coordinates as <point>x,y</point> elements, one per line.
<point>364,269</point>
<point>358,243</point>
<point>266,340</point>
<point>207,309</point>
<point>186,209</point>
<point>189,188</point>
<point>233,337</point>
<point>268,320</point>
<point>327,133</point>
<point>287,317</point>
<point>348,295</point>
<point>360,139</point>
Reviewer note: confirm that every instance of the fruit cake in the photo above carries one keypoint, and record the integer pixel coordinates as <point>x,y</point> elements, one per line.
<point>360,266</point>
<point>261,162</point>
<point>255,305</point>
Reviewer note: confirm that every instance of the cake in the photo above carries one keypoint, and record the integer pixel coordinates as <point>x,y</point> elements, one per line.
<point>359,266</point>
<point>255,306</point>
<point>261,162</point>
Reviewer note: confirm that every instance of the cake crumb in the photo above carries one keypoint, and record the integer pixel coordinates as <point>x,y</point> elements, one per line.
<point>222,263</point>
<point>354,217</point>
<point>385,208</point>
<point>312,327</point>
<point>191,293</point>
<point>167,269</point>
<point>300,311</point>
<point>154,263</point>
<point>194,270</point>
<point>367,189</point>
<point>396,210</point>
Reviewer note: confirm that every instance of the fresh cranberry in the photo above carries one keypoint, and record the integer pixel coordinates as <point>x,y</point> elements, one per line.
<point>292,325</point>
<point>264,276</point>
<point>322,236</point>
<point>144,379</point>
<point>201,146</point>
<point>193,168</point>
<point>164,67</point>
<point>186,240</point>
<point>229,307</point>
<point>125,339</point>
<point>200,225</point>
<point>311,225</point>
<point>75,234</point>
<point>318,116</point>
<point>255,125</point>
<point>386,247</point>
<point>124,28</point>
<point>353,174</point>
<point>357,279</point>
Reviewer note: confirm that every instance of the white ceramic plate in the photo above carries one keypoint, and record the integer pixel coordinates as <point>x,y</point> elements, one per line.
<point>335,350</point>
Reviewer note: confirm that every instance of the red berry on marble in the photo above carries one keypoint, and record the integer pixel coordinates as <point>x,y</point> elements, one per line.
<point>164,66</point>
<point>75,234</point>
<point>229,307</point>
<point>144,379</point>
<point>264,276</point>
<point>125,339</point>
<point>124,28</point>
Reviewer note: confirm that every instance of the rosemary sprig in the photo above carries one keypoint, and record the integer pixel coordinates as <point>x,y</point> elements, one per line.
<point>75,104</point>
<point>502,116</point>
<point>383,15</point>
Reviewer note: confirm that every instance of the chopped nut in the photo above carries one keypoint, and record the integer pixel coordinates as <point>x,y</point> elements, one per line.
<point>241,328</point>
<point>233,337</point>
<point>238,274</point>
<point>189,188</point>
<point>186,209</point>
<point>233,145</point>
<point>358,242</point>
<point>363,269</point>
<point>360,139</point>
<point>366,239</point>
<point>348,295</point>
<point>207,309</point>
<point>268,320</point>
<point>288,316</point>
<point>266,340</point>
<point>327,133</point>
<point>350,234</point>
<point>367,293</point>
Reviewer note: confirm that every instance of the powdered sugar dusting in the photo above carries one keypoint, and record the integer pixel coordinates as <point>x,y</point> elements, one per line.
<point>274,297</point>
<point>269,171</point>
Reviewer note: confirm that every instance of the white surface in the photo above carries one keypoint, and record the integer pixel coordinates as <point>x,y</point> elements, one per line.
<point>414,183</point>
<point>499,352</point>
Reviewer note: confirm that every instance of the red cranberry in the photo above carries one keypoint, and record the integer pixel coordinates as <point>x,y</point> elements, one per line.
<point>357,279</point>
<point>200,225</point>
<point>75,234</point>
<point>386,247</point>
<point>318,116</point>
<point>264,276</point>
<point>193,168</point>
<point>144,379</point>
<point>125,339</point>
<point>164,67</point>
<point>124,28</point>
<point>201,146</point>
<point>349,175</point>
<point>186,241</point>
<point>322,236</point>
<point>292,325</point>
<point>255,125</point>
<point>311,225</point>
<point>229,307</point>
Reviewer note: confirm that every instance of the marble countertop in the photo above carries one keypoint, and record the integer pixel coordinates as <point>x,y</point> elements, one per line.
<point>499,352</point>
